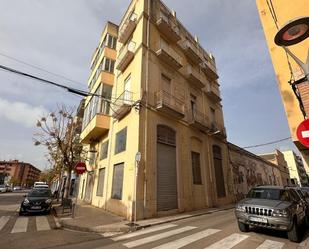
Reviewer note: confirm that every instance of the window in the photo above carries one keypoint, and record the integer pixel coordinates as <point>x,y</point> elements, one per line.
<point>108,65</point>
<point>104,149</point>
<point>117,181</point>
<point>193,105</point>
<point>196,168</point>
<point>127,90</point>
<point>111,41</point>
<point>212,115</point>
<point>101,178</point>
<point>166,84</point>
<point>121,140</point>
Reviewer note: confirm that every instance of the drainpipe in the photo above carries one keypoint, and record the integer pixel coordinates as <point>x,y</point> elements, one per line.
<point>146,109</point>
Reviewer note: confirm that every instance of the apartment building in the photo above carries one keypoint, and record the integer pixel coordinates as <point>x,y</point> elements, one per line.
<point>18,173</point>
<point>296,168</point>
<point>166,107</point>
<point>274,14</point>
<point>277,158</point>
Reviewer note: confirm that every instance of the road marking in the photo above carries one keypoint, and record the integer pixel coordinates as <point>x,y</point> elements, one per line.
<point>144,231</point>
<point>20,225</point>
<point>42,223</point>
<point>228,242</point>
<point>270,244</point>
<point>3,221</point>
<point>157,237</point>
<point>187,240</point>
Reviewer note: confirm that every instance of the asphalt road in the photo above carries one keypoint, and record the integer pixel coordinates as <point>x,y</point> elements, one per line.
<point>212,231</point>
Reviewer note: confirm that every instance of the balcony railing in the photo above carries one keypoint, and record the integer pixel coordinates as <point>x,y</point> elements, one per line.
<point>122,105</point>
<point>168,28</point>
<point>126,55</point>
<point>218,129</point>
<point>169,104</point>
<point>213,93</point>
<point>127,28</point>
<point>192,52</point>
<point>168,55</point>
<point>199,120</point>
<point>194,76</point>
<point>210,70</point>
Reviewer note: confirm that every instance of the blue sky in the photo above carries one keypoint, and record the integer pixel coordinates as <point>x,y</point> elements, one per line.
<point>60,36</point>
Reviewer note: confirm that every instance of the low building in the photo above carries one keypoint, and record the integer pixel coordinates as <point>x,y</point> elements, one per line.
<point>277,158</point>
<point>18,173</point>
<point>250,170</point>
<point>296,167</point>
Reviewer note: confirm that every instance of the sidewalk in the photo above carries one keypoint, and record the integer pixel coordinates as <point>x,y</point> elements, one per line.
<point>91,219</point>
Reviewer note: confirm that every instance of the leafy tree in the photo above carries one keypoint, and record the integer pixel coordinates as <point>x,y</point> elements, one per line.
<point>59,133</point>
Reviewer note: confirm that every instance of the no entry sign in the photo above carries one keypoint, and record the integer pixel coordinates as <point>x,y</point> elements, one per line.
<point>303,133</point>
<point>80,168</point>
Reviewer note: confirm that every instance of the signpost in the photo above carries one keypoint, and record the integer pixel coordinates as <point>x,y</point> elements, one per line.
<point>80,168</point>
<point>303,133</point>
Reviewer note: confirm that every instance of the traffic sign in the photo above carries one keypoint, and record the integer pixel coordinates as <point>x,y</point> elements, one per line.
<point>303,133</point>
<point>80,168</point>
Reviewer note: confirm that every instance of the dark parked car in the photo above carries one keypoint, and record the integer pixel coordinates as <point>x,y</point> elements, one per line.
<point>37,201</point>
<point>272,207</point>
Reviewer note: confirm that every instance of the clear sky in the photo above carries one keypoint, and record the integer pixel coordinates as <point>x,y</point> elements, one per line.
<point>60,36</point>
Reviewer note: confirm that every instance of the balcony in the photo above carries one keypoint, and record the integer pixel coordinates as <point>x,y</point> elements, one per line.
<point>168,28</point>
<point>127,28</point>
<point>126,55</point>
<point>169,104</point>
<point>218,130</point>
<point>212,92</point>
<point>194,77</point>
<point>210,71</point>
<point>169,56</point>
<point>199,121</point>
<point>97,127</point>
<point>192,52</point>
<point>122,105</point>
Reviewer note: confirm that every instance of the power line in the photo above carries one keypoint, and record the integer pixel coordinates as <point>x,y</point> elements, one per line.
<point>39,68</point>
<point>273,142</point>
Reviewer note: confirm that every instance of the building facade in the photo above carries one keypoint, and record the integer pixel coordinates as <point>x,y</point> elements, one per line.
<point>18,173</point>
<point>277,158</point>
<point>165,105</point>
<point>250,170</point>
<point>273,15</point>
<point>296,168</point>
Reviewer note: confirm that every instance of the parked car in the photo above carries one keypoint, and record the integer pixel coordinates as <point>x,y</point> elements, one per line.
<point>17,188</point>
<point>272,207</point>
<point>41,186</point>
<point>37,201</point>
<point>2,188</point>
<point>8,188</point>
<point>305,189</point>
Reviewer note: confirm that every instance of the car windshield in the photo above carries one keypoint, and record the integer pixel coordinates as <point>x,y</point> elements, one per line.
<point>2,186</point>
<point>269,194</point>
<point>305,190</point>
<point>40,193</point>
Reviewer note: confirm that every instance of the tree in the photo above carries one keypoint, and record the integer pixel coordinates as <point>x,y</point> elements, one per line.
<point>59,133</point>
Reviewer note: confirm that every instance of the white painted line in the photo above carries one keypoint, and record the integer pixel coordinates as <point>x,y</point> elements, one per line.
<point>144,231</point>
<point>187,240</point>
<point>42,223</point>
<point>305,134</point>
<point>3,221</point>
<point>157,237</point>
<point>270,244</point>
<point>20,225</point>
<point>228,242</point>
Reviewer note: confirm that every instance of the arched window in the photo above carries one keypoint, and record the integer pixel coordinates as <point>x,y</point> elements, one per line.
<point>166,135</point>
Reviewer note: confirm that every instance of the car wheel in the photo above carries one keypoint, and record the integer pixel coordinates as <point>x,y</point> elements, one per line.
<point>293,234</point>
<point>243,227</point>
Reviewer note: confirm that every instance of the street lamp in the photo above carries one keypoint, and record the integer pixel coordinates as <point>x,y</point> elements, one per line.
<point>294,32</point>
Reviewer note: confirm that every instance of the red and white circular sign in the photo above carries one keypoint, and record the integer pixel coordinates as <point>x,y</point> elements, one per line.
<point>80,168</point>
<point>302,132</point>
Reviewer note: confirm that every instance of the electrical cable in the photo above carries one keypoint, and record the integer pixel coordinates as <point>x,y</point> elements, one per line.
<point>269,143</point>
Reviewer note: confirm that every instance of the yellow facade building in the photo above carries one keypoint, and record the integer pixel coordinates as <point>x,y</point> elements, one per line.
<point>165,106</point>
<point>274,14</point>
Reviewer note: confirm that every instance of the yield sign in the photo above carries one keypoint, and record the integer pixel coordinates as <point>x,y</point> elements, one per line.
<point>80,168</point>
<point>303,133</point>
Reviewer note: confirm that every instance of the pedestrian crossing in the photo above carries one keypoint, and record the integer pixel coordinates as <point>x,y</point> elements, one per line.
<point>172,236</point>
<point>15,225</point>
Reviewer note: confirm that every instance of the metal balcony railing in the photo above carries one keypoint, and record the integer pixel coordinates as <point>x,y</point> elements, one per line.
<point>163,98</point>
<point>126,54</point>
<point>122,104</point>
<point>127,27</point>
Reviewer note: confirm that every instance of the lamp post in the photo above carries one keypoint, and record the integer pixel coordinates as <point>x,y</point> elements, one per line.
<point>294,32</point>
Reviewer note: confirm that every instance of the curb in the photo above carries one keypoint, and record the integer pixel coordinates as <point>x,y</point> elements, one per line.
<point>60,223</point>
